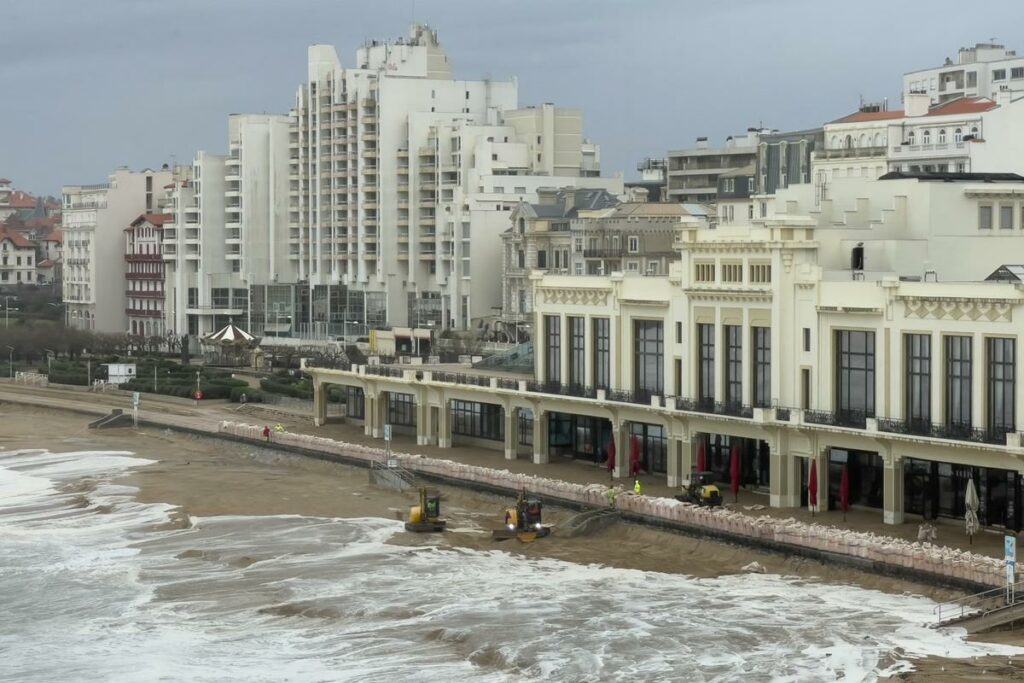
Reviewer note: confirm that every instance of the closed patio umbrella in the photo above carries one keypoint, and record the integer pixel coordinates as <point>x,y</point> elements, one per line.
<point>734,473</point>
<point>634,456</point>
<point>812,486</point>
<point>971,505</point>
<point>701,459</point>
<point>611,457</point>
<point>844,491</point>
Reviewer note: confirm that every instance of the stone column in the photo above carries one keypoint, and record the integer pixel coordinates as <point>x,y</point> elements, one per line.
<point>892,491</point>
<point>444,426</point>
<point>319,403</point>
<point>621,432</point>
<point>380,413</point>
<point>511,433</point>
<point>422,422</point>
<point>783,483</point>
<point>687,458</point>
<point>675,462</point>
<point>541,448</point>
<point>369,411</point>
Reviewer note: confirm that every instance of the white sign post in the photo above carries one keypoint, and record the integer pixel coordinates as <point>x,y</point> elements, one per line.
<point>387,444</point>
<point>1010,552</point>
<point>135,408</point>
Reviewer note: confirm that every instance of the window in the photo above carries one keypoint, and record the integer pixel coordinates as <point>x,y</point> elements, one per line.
<point>577,353</point>
<point>750,185</point>
<point>479,420</point>
<point>762,384</point>
<point>577,244</point>
<point>1006,216</point>
<point>1001,384</point>
<point>958,383</point>
<point>958,136</point>
<point>942,136</point>
<point>805,388</point>
<point>521,258</point>
<point>679,332</point>
<point>542,259</point>
<point>355,403</point>
<point>732,272</point>
<point>706,363</point>
<point>602,353</point>
<point>760,273</point>
<point>1017,72</point>
<point>553,333</point>
<point>926,137</point>
<point>974,132</point>
<point>998,74</point>
<point>649,354</point>
<point>917,384</point>
<point>193,297</point>
<point>855,375</point>
<point>704,272</point>
<point>984,217</point>
<point>401,409</point>
<point>910,138</point>
<point>733,364</point>
<point>633,244</point>
<point>750,212</point>
<point>807,339</point>
<point>578,269</point>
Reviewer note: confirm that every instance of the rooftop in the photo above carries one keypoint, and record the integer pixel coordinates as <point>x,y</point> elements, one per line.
<point>949,177</point>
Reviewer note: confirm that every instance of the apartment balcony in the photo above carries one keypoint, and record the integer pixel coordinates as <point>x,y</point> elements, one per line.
<point>426,152</point>
<point>427,220</point>
<point>139,258</point>
<point>936,151</point>
<point>728,408</point>
<point>369,153</point>
<point>854,419</point>
<point>143,313</point>
<point>144,294</point>
<point>403,153</point>
<point>953,432</point>
<point>604,253</point>
<point>156,277</point>
<point>849,153</point>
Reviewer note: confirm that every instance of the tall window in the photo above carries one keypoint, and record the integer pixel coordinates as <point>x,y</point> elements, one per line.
<point>649,356</point>
<point>855,375</point>
<point>917,354</point>
<point>733,364</point>
<point>1001,381</point>
<point>401,409</point>
<point>706,362</point>
<point>602,353</point>
<point>762,366</point>
<point>958,383</point>
<point>480,420</point>
<point>553,333</point>
<point>577,353</point>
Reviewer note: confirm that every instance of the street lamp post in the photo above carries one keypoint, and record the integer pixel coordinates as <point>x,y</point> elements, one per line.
<point>50,353</point>
<point>11,361</point>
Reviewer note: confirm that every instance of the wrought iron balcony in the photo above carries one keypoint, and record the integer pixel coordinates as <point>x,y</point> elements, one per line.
<point>462,378</point>
<point>952,431</point>
<point>561,389</point>
<point>843,418</point>
<point>705,405</point>
<point>638,396</point>
<point>383,371</point>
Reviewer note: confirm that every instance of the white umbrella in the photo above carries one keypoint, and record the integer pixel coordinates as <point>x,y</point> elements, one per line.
<point>971,514</point>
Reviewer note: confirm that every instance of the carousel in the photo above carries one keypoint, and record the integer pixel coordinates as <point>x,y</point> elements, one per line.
<point>230,346</point>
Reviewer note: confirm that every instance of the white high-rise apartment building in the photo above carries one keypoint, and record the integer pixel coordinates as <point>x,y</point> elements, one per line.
<point>94,220</point>
<point>979,71</point>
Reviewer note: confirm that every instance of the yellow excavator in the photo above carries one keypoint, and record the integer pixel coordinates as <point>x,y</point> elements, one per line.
<point>523,521</point>
<point>426,517</point>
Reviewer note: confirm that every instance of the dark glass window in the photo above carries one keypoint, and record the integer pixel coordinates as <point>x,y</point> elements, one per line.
<point>762,366</point>
<point>401,409</point>
<point>1002,355</point>
<point>355,405</point>
<point>602,353</point>
<point>480,420</point>
<point>958,382</point>
<point>733,364</point>
<point>917,383</point>
<point>706,362</point>
<point>649,355</point>
<point>855,375</point>
<point>577,350</point>
<point>525,427</point>
<point>553,332</point>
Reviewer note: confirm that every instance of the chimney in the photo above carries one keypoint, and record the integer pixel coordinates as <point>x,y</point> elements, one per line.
<point>547,196</point>
<point>916,103</point>
<point>1004,96</point>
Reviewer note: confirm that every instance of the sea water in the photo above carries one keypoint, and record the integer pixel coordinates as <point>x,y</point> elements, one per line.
<point>96,586</point>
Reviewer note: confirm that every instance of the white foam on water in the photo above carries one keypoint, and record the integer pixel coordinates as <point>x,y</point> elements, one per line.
<point>92,592</point>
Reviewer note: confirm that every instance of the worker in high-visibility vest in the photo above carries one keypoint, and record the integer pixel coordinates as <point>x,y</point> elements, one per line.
<point>636,486</point>
<point>279,428</point>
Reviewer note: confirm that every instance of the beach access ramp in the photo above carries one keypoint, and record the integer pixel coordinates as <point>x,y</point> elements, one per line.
<point>116,418</point>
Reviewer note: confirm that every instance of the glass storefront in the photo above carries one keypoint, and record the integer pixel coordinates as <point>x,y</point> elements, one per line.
<point>653,447</point>
<point>866,473</point>
<point>754,459</point>
<point>580,436</point>
<point>936,489</point>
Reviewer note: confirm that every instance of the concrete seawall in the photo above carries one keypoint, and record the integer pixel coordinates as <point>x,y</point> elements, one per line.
<point>921,562</point>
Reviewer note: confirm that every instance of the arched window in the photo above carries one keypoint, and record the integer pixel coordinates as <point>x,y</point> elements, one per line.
<point>849,142</point>
<point>835,142</point>
<point>910,138</point>
<point>926,137</point>
<point>878,140</point>
<point>862,141</point>
<point>958,135</point>
<point>974,132</point>
<point>942,136</point>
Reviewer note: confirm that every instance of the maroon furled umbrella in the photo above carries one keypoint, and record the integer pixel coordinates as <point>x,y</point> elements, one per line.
<point>611,456</point>
<point>734,473</point>
<point>701,460</point>
<point>844,492</point>
<point>634,456</point>
<point>812,487</point>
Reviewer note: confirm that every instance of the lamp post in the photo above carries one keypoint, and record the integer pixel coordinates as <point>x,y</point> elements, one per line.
<point>11,361</point>
<point>7,310</point>
<point>50,353</point>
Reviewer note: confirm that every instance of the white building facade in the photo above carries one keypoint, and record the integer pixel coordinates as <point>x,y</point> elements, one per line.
<point>980,71</point>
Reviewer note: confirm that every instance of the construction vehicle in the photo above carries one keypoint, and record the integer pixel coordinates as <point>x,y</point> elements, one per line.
<point>523,520</point>
<point>426,517</point>
<point>701,490</point>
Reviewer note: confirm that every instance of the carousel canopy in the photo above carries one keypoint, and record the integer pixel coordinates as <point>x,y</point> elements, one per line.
<point>230,333</point>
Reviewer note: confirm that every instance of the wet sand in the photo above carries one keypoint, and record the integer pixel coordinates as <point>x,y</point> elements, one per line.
<point>208,477</point>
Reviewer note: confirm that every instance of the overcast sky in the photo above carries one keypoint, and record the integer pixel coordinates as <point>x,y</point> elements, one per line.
<point>88,85</point>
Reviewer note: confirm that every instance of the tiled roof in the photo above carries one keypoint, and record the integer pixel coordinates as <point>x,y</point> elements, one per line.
<point>863,116</point>
<point>961,105</point>
<point>16,239</point>
<point>22,200</point>
<point>156,219</point>
<point>46,263</point>
<point>4,181</point>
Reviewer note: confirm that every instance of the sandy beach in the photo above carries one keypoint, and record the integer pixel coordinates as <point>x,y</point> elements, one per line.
<point>207,477</point>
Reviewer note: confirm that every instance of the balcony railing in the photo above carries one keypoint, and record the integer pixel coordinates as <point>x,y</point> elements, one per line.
<point>954,431</point>
<point>604,253</point>
<point>577,390</point>
<point>383,371</point>
<point>461,378</point>
<point>850,152</point>
<point>638,396</point>
<point>843,418</point>
<point>703,405</point>
<point>143,257</point>
<point>144,313</point>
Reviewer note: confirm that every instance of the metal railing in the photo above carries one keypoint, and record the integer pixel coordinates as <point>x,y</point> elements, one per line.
<point>461,378</point>
<point>638,396</point>
<point>383,371</point>
<point>558,388</point>
<point>953,431</point>
<point>704,405</point>
<point>842,418</point>
<point>983,603</point>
